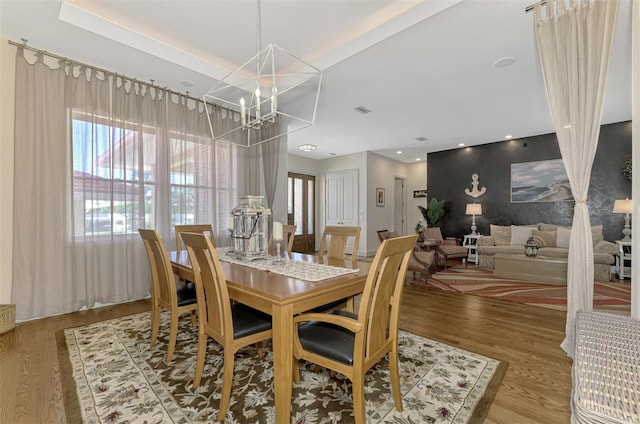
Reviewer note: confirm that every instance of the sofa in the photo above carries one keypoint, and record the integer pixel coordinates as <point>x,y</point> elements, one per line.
<point>552,241</point>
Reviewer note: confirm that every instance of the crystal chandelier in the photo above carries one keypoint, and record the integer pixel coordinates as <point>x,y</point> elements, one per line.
<point>274,86</point>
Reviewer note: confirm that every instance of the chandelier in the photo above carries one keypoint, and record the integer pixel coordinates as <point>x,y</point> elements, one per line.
<point>274,86</point>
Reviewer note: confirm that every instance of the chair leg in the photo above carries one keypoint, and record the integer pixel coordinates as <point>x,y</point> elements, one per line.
<point>202,352</point>
<point>173,335</point>
<point>227,382</point>
<point>351,305</point>
<point>296,371</point>
<point>395,379</point>
<point>193,319</point>
<point>358,398</point>
<point>155,324</point>
<point>259,349</point>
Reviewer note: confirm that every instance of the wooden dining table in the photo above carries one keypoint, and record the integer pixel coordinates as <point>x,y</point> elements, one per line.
<point>282,297</point>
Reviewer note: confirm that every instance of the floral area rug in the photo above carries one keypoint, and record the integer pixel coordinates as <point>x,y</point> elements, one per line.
<point>111,374</point>
<point>612,297</point>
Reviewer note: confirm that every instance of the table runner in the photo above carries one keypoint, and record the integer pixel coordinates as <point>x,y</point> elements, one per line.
<point>307,271</point>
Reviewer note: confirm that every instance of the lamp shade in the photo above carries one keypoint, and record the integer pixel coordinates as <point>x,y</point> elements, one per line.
<point>475,209</point>
<point>621,206</point>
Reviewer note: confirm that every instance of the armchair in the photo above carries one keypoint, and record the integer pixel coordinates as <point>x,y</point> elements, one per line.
<point>420,261</point>
<point>448,248</point>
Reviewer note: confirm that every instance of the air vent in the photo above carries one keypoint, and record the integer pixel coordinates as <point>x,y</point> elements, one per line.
<point>362,110</point>
<point>421,138</point>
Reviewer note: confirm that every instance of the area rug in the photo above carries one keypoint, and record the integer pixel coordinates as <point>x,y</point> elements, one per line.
<point>111,374</point>
<point>614,297</point>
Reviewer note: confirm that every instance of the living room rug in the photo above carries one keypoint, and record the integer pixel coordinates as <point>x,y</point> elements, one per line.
<point>110,373</point>
<point>614,297</point>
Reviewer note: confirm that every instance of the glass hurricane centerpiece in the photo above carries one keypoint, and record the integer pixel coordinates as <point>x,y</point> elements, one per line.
<point>250,235</point>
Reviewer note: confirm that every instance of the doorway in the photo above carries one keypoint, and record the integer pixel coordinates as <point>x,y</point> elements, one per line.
<point>301,209</point>
<point>399,206</point>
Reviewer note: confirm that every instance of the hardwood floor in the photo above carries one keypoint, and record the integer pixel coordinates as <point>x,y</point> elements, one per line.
<point>535,389</point>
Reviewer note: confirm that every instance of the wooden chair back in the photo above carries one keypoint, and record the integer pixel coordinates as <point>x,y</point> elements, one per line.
<point>206,229</point>
<point>214,305</point>
<point>338,237</point>
<point>288,233</point>
<point>380,303</point>
<point>163,285</point>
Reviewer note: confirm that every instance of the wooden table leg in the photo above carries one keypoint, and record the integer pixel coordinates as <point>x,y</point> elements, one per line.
<point>282,361</point>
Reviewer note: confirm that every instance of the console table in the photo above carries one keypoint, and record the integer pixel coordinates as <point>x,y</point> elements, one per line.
<point>530,268</point>
<point>471,243</point>
<point>623,259</point>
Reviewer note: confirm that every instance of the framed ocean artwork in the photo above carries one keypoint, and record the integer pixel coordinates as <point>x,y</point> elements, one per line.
<point>541,181</point>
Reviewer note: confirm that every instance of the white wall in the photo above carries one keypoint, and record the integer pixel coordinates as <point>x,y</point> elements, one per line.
<point>7,88</point>
<point>381,173</point>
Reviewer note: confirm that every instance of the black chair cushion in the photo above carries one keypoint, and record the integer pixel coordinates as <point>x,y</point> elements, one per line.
<point>248,321</point>
<point>330,306</point>
<point>329,340</point>
<point>186,294</point>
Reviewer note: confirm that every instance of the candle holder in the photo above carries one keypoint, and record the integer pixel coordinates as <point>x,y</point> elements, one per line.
<point>278,259</point>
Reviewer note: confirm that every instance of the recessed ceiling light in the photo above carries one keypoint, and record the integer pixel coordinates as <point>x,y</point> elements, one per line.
<point>418,159</point>
<point>187,83</point>
<point>504,62</point>
<point>460,144</point>
<point>421,138</point>
<point>508,136</point>
<point>399,152</point>
<point>307,147</point>
<point>362,110</point>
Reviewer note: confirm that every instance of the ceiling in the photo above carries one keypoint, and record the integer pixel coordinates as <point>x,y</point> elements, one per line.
<point>425,69</point>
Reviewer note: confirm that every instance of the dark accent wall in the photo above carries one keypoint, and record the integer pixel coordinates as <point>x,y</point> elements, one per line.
<point>449,173</point>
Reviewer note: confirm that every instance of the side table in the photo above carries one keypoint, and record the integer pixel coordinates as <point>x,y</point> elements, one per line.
<point>471,243</point>
<point>623,259</point>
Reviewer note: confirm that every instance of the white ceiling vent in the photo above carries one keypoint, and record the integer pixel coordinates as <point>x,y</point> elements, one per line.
<point>362,110</point>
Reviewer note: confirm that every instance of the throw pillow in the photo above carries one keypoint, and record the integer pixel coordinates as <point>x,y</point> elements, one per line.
<point>520,235</point>
<point>563,236</point>
<point>547,227</point>
<point>596,233</point>
<point>501,234</point>
<point>544,238</point>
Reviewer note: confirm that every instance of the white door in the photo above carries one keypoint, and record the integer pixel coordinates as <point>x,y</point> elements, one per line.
<point>341,202</point>
<point>399,209</point>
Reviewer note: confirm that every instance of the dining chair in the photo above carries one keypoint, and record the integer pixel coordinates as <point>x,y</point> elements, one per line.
<point>288,233</point>
<point>176,297</point>
<point>338,237</point>
<point>233,326</point>
<point>336,247</point>
<point>352,344</point>
<point>193,228</point>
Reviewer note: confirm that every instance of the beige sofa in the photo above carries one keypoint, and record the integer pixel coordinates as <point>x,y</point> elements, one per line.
<point>552,241</point>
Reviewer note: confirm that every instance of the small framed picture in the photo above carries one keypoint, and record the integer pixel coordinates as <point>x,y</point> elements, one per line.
<point>379,197</point>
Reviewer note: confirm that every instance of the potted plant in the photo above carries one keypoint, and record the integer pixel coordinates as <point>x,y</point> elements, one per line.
<point>433,213</point>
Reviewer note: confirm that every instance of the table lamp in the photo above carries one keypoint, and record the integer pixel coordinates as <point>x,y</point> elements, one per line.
<point>624,206</point>
<point>474,209</point>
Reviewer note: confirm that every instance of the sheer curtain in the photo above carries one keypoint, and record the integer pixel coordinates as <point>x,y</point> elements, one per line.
<point>98,156</point>
<point>575,46</point>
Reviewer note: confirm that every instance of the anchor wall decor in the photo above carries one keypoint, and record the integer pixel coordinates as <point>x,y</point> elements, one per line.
<point>475,193</point>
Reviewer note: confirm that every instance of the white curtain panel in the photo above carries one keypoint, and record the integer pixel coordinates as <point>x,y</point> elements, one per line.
<point>574,41</point>
<point>97,157</point>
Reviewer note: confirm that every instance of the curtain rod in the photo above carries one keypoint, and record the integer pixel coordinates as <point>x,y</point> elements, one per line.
<point>23,44</point>
<point>530,8</point>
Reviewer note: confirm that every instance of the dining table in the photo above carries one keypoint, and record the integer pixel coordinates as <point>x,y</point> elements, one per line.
<point>282,297</point>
